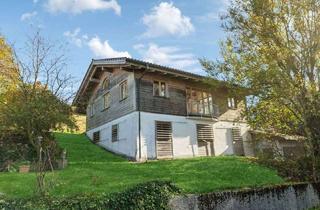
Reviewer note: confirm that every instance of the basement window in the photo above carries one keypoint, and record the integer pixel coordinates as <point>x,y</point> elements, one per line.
<point>96,136</point>
<point>115,132</point>
<point>159,89</point>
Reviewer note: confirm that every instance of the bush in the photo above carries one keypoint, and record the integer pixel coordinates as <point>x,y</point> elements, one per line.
<point>15,149</point>
<point>293,169</point>
<point>149,195</point>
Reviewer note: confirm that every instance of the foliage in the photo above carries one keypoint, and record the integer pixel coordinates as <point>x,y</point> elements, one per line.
<point>292,169</point>
<point>91,169</point>
<point>15,150</point>
<point>38,103</point>
<point>8,70</point>
<point>149,195</point>
<point>273,50</point>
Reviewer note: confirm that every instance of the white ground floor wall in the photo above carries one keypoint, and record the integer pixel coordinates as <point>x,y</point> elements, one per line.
<point>184,136</point>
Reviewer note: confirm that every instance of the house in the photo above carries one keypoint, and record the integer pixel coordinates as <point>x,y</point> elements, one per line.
<point>148,111</point>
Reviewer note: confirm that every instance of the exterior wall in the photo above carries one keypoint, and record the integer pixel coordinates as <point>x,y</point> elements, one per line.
<point>275,145</point>
<point>117,107</point>
<point>185,135</point>
<point>281,197</point>
<point>176,104</point>
<point>128,134</point>
<point>222,130</point>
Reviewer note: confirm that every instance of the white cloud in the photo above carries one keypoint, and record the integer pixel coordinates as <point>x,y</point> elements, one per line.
<point>78,6</point>
<point>28,15</point>
<point>104,50</point>
<point>35,1</point>
<point>100,49</point>
<point>166,19</point>
<point>73,36</point>
<point>167,56</point>
<point>219,10</point>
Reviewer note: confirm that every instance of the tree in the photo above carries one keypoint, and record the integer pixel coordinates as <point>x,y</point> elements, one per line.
<point>8,69</point>
<point>273,49</point>
<point>39,102</point>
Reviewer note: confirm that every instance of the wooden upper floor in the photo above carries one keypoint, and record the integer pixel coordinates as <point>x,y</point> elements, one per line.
<point>115,87</point>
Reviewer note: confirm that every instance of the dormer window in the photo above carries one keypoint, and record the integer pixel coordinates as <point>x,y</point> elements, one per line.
<point>105,84</point>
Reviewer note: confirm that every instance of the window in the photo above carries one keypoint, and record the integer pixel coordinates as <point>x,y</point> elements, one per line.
<point>159,89</point>
<point>96,136</point>
<point>91,110</point>
<point>123,90</point>
<point>106,99</point>
<point>105,84</point>
<point>231,103</point>
<point>115,132</point>
<point>199,102</point>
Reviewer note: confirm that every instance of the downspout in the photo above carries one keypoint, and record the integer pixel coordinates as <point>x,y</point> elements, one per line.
<point>139,109</point>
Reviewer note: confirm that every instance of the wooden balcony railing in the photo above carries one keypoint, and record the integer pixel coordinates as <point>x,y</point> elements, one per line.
<point>201,111</point>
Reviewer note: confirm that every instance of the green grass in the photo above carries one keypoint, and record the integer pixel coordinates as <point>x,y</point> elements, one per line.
<point>92,169</point>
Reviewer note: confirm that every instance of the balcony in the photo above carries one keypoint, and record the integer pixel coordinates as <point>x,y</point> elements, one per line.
<point>200,104</point>
<point>209,112</point>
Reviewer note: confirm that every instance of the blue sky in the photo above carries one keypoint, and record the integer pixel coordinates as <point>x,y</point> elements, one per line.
<point>173,33</point>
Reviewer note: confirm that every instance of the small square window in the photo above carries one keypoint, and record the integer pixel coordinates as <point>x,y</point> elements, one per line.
<point>123,90</point>
<point>106,98</point>
<point>231,103</point>
<point>115,132</point>
<point>159,89</point>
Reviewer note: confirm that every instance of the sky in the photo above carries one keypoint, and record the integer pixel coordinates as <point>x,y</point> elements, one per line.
<point>173,33</point>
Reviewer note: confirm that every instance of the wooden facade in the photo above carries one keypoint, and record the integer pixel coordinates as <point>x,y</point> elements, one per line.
<point>175,103</point>
<point>117,107</point>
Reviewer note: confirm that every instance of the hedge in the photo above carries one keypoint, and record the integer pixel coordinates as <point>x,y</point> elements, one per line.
<point>149,195</point>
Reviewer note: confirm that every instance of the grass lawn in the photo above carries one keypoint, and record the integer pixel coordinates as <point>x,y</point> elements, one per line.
<point>92,169</point>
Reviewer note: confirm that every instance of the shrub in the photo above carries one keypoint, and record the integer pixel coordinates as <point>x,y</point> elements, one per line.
<point>145,196</point>
<point>15,149</point>
<point>293,168</point>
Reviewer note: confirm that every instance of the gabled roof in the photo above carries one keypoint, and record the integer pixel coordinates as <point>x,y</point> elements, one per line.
<point>123,61</point>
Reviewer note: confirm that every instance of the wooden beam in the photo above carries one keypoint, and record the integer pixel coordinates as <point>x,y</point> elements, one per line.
<point>103,68</point>
<point>94,80</point>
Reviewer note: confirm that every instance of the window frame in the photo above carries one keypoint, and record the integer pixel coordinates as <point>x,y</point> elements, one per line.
<point>201,105</point>
<point>115,138</point>
<point>159,83</point>
<point>91,110</point>
<point>121,85</point>
<point>231,103</point>
<point>107,94</point>
<point>105,83</point>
